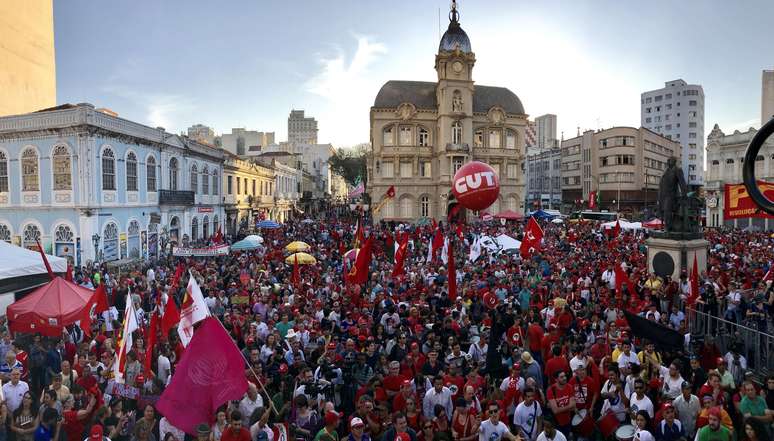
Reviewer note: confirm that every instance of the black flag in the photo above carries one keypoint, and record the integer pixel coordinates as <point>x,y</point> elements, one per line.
<point>659,335</point>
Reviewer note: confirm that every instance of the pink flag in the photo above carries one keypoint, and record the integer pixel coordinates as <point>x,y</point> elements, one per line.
<point>210,373</point>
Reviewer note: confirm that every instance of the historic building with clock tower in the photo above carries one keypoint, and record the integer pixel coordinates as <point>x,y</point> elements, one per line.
<point>423,132</point>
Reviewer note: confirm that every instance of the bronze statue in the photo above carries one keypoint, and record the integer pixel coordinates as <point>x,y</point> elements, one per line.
<point>671,189</point>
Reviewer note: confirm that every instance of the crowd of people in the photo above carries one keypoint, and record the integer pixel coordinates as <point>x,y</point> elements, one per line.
<point>548,356</point>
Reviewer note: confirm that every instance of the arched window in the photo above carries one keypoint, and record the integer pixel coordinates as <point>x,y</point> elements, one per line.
<point>131,172</point>
<point>3,173</point>
<point>388,136</point>
<point>495,138</point>
<point>30,168</point>
<point>215,224</point>
<point>150,173</point>
<point>214,182</point>
<point>108,170</point>
<point>64,242</point>
<point>424,206</point>
<point>456,132</point>
<point>173,166</point>
<point>63,176</point>
<point>205,180</point>
<point>174,229</point>
<point>478,138</point>
<point>205,227</point>
<point>406,208</point>
<point>110,242</point>
<point>194,179</point>
<point>5,233</point>
<point>133,239</point>
<point>30,236</point>
<point>194,229</point>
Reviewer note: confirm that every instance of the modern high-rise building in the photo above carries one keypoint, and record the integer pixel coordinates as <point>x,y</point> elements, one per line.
<point>767,96</point>
<point>242,142</point>
<point>202,133</point>
<point>545,128</point>
<point>301,129</point>
<point>677,112</point>
<point>27,61</point>
<point>530,135</point>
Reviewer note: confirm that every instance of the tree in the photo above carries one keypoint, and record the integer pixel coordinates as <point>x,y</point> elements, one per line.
<point>350,163</point>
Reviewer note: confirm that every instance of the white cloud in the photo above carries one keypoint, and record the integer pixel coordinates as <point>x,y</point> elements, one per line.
<point>348,88</point>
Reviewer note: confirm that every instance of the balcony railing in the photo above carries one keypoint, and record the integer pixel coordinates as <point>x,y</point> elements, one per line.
<point>176,197</point>
<point>463,148</point>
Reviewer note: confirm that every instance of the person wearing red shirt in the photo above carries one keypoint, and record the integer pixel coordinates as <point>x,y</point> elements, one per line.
<point>394,380</point>
<point>454,381</point>
<point>535,335</point>
<point>712,387</point>
<point>476,381</point>
<point>418,357</point>
<point>556,363</point>
<point>235,431</point>
<point>561,400</point>
<point>516,335</point>
<point>406,393</point>
<point>548,341</point>
<point>586,389</point>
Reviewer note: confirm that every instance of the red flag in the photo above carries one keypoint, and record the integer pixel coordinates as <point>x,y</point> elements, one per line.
<point>171,315</point>
<point>359,272</point>
<point>694,281</point>
<point>617,229</point>
<point>621,279</point>
<point>452,272</point>
<point>533,234</point>
<point>359,238</point>
<point>400,255</point>
<point>69,274</point>
<point>769,274</point>
<point>100,296</point>
<point>592,200</point>
<point>435,245</point>
<point>45,261</point>
<point>153,329</point>
<point>210,373</point>
<point>218,239</point>
<point>390,192</point>
<point>295,270</point>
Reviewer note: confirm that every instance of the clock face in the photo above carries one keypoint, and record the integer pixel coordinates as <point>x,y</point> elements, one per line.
<point>457,66</point>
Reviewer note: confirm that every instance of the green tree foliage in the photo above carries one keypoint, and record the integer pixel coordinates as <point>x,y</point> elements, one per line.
<point>350,163</point>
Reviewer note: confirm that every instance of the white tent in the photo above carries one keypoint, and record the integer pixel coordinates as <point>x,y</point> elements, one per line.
<point>625,225</point>
<point>507,242</point>
<point>19,262</point>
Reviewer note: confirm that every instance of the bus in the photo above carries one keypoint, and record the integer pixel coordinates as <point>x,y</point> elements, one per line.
<point>604,216</point>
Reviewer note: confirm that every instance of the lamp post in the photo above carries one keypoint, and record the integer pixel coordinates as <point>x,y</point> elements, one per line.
<point>618,180</point>
<point>95,241</point>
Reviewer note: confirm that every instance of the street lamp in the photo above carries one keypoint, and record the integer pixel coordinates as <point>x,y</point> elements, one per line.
<point>95,241</point>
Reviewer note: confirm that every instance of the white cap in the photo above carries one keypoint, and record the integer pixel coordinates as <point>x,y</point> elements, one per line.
<point>356,422</point>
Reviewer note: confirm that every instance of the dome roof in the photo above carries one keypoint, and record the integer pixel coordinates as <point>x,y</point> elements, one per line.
<point>453,38</point>
<point>422,95</point>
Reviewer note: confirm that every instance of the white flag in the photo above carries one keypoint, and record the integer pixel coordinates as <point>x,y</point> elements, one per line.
<point>445,252</point>
<point>130,325</point>
<point>192,310</point>
<point>475,250</point>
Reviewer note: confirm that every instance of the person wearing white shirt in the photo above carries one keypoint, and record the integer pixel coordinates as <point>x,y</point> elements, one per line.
<point>439,394</point>
<point>639,401</point>
<point>672,380</point>
<point>14,391</point>
<point>626,358</point>
<point>550,433</point>
<point>528,416</point>
<point>166,427</point>
<point>261,430</point>
<point>164,366</point>
<point>492,429</point>
<point>249,403</point>
<point>609,277</point>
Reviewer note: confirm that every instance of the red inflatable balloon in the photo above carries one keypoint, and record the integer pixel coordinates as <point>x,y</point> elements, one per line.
<point>476,186</point>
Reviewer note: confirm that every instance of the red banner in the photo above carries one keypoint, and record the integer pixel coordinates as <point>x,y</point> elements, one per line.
<point>738,204</point>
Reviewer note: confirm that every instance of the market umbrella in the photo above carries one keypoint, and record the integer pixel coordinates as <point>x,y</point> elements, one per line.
<point>303,259</point>
<point>50,308</point>
<point>557,221</point>
<point>653,224</point>
<point>268,224</point>
<point>297,246</point>
<point>247,244</point>
<point>509,215</point>
<point>254,237</point>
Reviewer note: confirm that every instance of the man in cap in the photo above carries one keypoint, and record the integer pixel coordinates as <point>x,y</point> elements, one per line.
<point>328,432</point>
<point>669,429</point>
<point>714,431</point>
<point>357,430</point>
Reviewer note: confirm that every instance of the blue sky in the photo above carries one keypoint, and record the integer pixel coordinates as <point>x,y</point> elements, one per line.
<point>239,63</point>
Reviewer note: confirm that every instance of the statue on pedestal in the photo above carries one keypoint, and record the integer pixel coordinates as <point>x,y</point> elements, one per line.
<point>680,210</point>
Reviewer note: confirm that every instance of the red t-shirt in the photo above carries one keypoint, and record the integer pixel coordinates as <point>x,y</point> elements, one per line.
<point>535,334</point>
<point>72,426</point>
<point>392,382</point>
<point>584,391</point>
<point>458,381</point>
<point>399,402</point>
<point>562,396</point>
<point>554,365</point>
<point>230,435</point>
<point>515,336</point>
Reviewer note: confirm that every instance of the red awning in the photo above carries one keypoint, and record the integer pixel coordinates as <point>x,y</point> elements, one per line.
<point>509,214</point>
<point>653,224</point>
<point>50,308</point>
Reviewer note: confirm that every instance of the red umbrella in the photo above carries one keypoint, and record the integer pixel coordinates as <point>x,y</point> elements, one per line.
<point>50,308</point>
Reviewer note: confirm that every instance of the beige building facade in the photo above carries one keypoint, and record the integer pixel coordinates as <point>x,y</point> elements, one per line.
<point>623,164</point>
<point>423,132</point>
<point>27,58</point>
<point>248,193</point>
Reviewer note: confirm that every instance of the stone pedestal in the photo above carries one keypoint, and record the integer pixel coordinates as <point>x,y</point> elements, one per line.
<point>670,257</point>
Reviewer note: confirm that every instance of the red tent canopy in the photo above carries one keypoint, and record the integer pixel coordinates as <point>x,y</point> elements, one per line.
<point>509,214</point>
<point>50,308</point>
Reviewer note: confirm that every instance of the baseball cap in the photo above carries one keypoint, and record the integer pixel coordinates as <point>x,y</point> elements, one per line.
<point>356,422</point>
<point>332,418</point>
<point>96,433</point>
